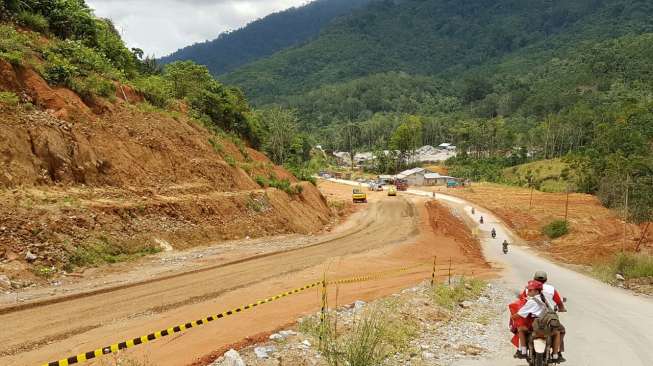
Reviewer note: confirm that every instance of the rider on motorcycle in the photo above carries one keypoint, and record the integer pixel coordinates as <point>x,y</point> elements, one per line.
<point>494,233</point>
<point>481,221</point>
<point>505,245</point>
<point>553,297</point>
<point>528,314</point>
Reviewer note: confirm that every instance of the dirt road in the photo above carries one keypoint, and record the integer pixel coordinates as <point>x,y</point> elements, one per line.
<point>389,234</point>
<point>606,325</point>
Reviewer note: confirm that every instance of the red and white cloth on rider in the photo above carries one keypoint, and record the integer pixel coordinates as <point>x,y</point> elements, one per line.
<point>529,310</point>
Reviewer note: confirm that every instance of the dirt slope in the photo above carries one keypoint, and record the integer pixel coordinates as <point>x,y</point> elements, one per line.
<point>596,232</point>
<point>391,233</point>
<point>121,179</point>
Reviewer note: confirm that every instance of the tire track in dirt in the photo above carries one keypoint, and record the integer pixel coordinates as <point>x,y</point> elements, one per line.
<point>73,314</point>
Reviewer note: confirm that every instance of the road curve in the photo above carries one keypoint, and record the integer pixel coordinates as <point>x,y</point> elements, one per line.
<point>51,331</point>
<point>606,325</point>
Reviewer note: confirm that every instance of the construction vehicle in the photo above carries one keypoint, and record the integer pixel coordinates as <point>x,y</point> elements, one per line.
<point>392,191</point>
<point>359,196</point>
<point>401,184</point>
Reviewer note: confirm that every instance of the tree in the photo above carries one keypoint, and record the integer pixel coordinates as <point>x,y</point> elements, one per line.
<point>281,129</point>
<point>350,135</point>
<point>407,138</point>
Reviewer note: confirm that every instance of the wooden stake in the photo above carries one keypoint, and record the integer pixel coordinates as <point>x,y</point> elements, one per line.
<point>641,238</point>
<point>567,205</point>
<point>433,274</point>
<point>623,247</point>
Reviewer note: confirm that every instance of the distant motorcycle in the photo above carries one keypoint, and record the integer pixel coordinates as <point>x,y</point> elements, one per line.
<point>481,220</point>
<point>505,247</point>
<point>494,234</point>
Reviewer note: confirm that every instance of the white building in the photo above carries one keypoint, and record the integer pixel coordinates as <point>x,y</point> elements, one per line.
<point>414,177</point>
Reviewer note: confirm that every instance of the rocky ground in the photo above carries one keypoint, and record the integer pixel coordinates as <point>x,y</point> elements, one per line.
<point>434,330</point>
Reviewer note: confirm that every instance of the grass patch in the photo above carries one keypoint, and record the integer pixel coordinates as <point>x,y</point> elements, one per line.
<point>44,272</point>
<point>257,204</point>
<point>230,160</point>
<point>556,229</point>
<point>13,45</point>
<point>36,22</point>
<point>375,335</point>
<point>281,184</point>
<point>464,289</point>
<point>629,265</point>
<point>217,147</point>
<point>9,99</point>
<point>103,251</point>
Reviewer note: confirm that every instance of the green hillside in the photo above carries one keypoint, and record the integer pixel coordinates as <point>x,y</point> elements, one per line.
<point>440,37</point>
<point>264,36</point>
<point>507,81</point>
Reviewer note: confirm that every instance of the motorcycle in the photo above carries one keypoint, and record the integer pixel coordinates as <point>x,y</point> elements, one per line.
<point>481,220</point>
<point>505,249</point>
<point>540,346</point>
<point>494,234</point>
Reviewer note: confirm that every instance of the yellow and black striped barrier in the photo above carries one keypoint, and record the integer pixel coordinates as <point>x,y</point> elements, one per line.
<point>82,357</point>
<point>169,331</point>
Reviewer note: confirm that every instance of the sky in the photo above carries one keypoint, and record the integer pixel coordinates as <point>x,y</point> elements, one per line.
<point>160,27</point>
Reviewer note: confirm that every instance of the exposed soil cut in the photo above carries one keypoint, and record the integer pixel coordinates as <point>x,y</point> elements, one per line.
<point>93,181</point>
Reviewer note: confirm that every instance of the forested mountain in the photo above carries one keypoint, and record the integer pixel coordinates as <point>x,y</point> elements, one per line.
<point>505,80</point>
<point>437,37</point>
<point>265,36</point>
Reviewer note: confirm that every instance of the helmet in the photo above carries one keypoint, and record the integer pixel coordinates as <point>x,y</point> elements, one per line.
<point>534,285</point>
<point>540,276</point>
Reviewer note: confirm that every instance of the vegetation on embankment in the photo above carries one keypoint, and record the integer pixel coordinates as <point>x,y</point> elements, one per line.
<point>108,157</point>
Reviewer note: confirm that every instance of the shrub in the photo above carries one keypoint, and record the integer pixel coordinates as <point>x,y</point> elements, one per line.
<point>92,85</point>
<point>629,265</point>
<point>217,147</point>
<point>556,229</point>
<point>155,89</point>
<point>230,160</point>
<point>374,336</point>
<point>13,45</point>
<point>102,252</point>
<point>8,99</point>
<point>463,289</point>
<point>36,22</point>
<point>262,181</point>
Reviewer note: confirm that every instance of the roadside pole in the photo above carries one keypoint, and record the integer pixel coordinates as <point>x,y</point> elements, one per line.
<point>433,274</point>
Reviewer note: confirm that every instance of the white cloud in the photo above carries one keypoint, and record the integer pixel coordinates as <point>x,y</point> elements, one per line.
<point>161,27</point>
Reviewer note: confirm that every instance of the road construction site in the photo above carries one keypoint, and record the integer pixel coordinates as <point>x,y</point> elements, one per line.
<point>387,233</point>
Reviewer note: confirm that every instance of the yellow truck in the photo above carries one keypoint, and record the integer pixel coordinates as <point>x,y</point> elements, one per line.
<point>359,196</point>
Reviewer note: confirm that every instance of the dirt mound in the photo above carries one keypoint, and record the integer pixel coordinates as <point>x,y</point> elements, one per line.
<point>443,221</point>
<point>119,178</point>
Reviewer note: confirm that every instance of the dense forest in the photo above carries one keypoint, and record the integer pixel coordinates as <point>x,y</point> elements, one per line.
<point>265,36</point>
<point>506,81</point>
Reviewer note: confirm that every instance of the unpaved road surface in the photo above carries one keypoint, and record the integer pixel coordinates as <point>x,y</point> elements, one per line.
<point>389,234</point>
<point>606,325</point>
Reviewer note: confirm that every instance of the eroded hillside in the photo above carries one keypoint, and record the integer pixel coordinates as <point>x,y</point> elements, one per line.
<point>87,183</point>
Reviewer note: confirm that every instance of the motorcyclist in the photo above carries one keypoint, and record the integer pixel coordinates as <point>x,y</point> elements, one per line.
<point>524,318</point>
<point>494,233</point>
<point>553,297</point>
<point>473,211</point>
<point>505,245</point>
<point>481,220</point>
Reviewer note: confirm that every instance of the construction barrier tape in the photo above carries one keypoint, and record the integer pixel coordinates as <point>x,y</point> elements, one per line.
<point>373,276</point>
<point>169,331</point>
<point>82,357</point>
